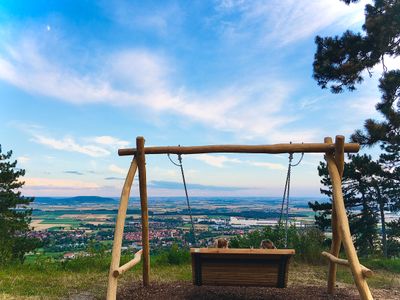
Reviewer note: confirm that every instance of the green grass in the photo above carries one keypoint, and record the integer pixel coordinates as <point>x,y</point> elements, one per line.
<point>45,278</point>
<point>53,280</point>
<point>391,265</point>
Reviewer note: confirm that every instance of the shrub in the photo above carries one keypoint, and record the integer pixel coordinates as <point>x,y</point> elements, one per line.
<point>172,256</point>
<point>308,242</point>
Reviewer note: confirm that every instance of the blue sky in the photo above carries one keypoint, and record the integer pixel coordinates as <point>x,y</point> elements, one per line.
<point>80,79</point>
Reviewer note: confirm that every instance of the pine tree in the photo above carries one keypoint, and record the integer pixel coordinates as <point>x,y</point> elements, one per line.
<point>341,61</point>
<point>386,133</point>
<point>394,238</point>
<point>14,212</point>
<point>359,200</point>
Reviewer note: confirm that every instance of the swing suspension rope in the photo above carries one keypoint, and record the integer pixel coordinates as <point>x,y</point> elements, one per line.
<point>180,165</point>
<point>285,198</point>
<point>286,194</point>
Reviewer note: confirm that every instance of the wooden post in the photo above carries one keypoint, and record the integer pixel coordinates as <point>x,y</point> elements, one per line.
<point>141,160</point>
<point>336,239</point>
<point>339,153</point>
<point>119,231</point>
<point>344,230</point>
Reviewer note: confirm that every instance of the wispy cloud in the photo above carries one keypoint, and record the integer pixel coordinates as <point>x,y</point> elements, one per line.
<point>110,141</point>
<point>23,159</point>
<point>25,66</point>
<point>114,178</point>
<point>283,21</point>
<point>268,165</point>
<point>133,77</point>
<point>221,161</point>
<point>116,169</point>
<point>70,145</point>
<point>52,183</point>
<point>216,160</point>
<point>98,146</point>
<point>73,172</point>
<point>160,19</point>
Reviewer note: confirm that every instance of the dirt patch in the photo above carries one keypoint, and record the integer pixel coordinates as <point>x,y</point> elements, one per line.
<point>185,290</point>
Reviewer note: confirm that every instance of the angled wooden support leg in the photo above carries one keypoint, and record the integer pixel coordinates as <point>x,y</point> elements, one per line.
<point>344,229</point>
<point>335,249</point>
<point>119,231</point>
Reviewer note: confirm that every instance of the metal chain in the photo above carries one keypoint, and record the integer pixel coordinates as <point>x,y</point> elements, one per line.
<point>186,194</point>
<point>286,195</point>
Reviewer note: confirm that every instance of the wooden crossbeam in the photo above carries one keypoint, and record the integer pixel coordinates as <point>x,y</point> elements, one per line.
<point>129,265</point>
<point>277,148</point>
<point>344,262</point>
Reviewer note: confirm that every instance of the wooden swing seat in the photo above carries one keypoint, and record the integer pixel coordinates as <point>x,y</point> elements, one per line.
<point>241,267</point>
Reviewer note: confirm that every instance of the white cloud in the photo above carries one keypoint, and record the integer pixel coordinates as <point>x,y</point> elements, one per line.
<point>160,19</point>
<point>268,165</point>
<point>98,146</point>
<point>140,78</point>
<point>363,106</point>
<point>47,183</point>
<point>23,159</point>
<point>107,140</point>
<point>69,144</point>
<point>25,65</point>
<point>133,77</point>
<point>285,21</point>
<point>390,62</point>
<point>216,160</point>
<point>116,169</point>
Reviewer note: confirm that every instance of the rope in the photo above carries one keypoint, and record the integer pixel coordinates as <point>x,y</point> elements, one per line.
<point>186,193</point>
<point>286,195</point>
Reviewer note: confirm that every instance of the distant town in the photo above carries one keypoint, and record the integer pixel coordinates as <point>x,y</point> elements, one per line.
<point>77,226</point>
<point>71,227</point>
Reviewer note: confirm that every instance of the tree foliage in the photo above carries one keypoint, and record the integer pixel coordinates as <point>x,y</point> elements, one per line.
<point>359,199</point>
<point>14,212</point>
<point>308,242</point>
<point>341,60</point>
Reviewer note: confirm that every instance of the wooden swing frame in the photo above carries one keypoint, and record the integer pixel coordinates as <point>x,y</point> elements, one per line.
<point>334,155</point>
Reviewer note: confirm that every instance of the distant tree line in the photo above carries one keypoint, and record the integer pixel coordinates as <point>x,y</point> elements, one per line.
<point>371,187</point>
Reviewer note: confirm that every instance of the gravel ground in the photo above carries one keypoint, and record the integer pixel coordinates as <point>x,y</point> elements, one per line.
<point>185,290</point>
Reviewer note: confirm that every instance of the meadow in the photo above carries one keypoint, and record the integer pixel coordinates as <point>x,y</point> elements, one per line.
<point>46,278</point>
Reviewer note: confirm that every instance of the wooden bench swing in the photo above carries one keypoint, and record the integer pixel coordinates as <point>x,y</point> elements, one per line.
<point>247,267</point>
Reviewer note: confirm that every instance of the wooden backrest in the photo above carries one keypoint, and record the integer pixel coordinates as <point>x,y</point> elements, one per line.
<point>241,267</point>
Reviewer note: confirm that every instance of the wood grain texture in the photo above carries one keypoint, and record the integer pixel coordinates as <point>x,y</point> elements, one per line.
<point>240,268</point>
<point>119,230</point>
<point>336,239</point>
<point>339,153</point>
<point>344,230</point>
<point>344,262</point>
<point>277,148</point>
<point>141,160</point>
<point>243,251</point>
<point>129,265</point>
